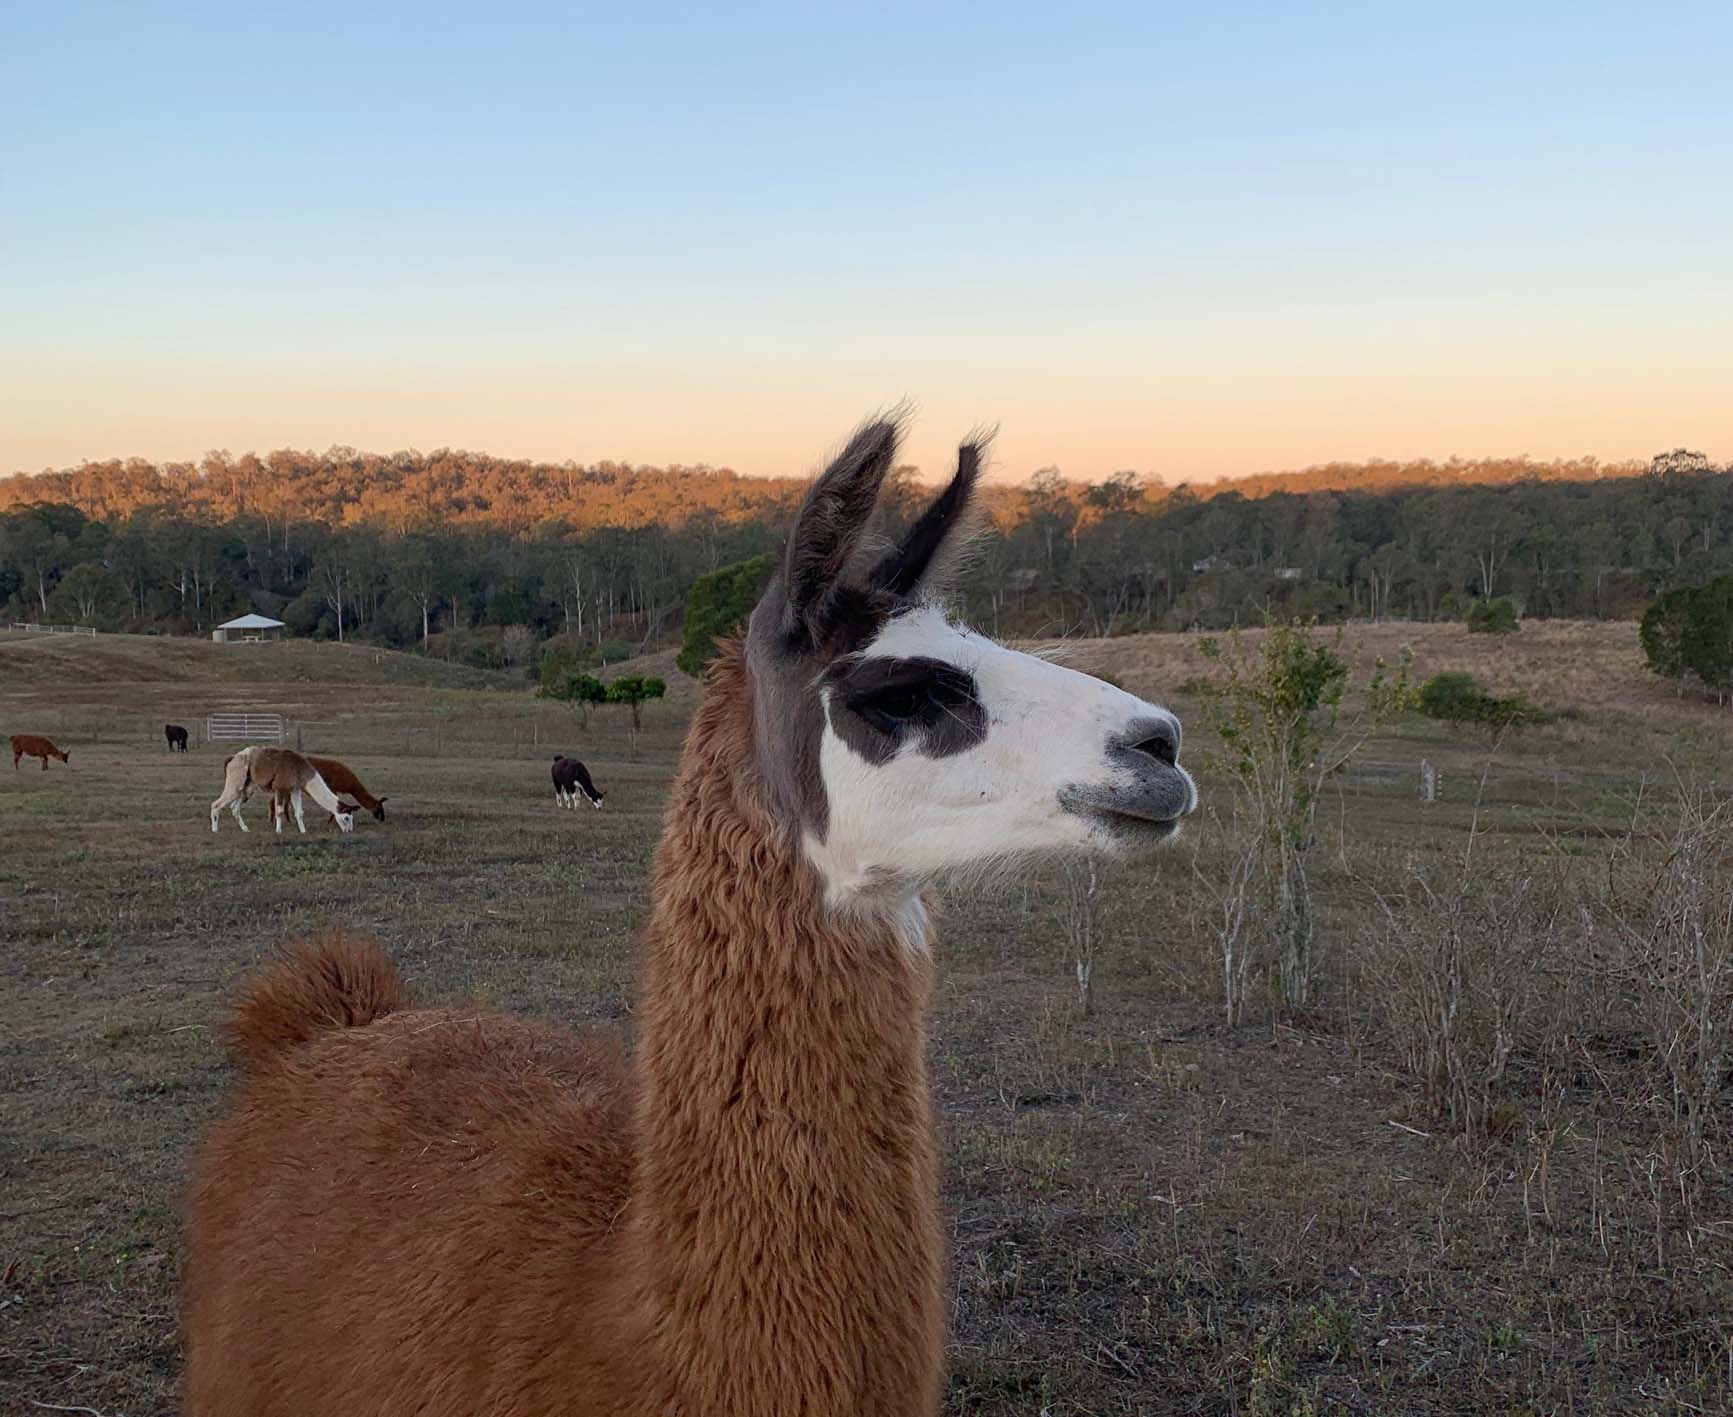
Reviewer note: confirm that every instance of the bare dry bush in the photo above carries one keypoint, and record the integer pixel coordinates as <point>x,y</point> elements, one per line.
<point>1229,906</point>
<point>1074,911</point>
<point>1460,967</point>
<point>1670,922</point>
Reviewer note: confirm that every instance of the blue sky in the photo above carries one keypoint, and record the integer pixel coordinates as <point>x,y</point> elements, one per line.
<point>1183,240</point>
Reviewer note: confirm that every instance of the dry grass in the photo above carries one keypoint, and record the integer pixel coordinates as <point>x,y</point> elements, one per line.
<point>1151,1212</point>
<point>1564,665</point>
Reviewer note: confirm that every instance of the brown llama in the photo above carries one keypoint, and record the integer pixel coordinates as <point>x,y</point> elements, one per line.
<point>450,1212</point>
<point>339,778</point>
<point>283,775</point>
<point>29,745</point>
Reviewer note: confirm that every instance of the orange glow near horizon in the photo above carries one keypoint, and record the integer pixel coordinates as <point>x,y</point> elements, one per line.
<point>1198,424</point>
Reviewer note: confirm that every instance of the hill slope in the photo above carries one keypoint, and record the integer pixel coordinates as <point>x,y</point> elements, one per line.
<point>47,660</point>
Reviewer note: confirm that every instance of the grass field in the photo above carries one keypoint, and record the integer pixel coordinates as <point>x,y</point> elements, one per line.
<point>1150,1212</point>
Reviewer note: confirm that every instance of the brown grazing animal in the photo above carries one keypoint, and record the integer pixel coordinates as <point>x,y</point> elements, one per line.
<point>176,735</point>
<point>286,776</point>
<point>340,779</point>
<point>448,1212</point>
<point>29,745</point>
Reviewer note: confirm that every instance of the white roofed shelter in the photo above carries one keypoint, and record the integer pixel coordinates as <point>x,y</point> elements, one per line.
<point>248,627</point>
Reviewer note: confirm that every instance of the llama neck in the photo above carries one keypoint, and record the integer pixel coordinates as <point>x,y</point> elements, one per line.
<point>784,1214</point>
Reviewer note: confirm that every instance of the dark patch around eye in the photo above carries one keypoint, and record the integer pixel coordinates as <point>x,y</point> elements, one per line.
<point>878,705</point>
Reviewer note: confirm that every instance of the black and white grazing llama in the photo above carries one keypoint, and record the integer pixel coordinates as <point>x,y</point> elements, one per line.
<point>570,778</point>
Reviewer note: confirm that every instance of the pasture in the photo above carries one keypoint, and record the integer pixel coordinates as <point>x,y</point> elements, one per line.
<point>1150,1212</point>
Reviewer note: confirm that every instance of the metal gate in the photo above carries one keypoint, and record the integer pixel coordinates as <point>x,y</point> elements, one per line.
<point>240,725</point>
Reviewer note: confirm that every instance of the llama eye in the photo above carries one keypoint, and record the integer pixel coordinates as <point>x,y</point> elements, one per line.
<point>889,709</point>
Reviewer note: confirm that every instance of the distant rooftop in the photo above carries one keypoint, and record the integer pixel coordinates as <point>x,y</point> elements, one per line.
<point>251,622</point>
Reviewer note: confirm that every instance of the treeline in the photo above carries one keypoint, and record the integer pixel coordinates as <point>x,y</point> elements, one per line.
<point>474,579</point>
<point>411,491</point>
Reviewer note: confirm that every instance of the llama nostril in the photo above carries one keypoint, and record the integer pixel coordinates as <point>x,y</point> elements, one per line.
<point>1161,749</point>
<point>1159,741</point>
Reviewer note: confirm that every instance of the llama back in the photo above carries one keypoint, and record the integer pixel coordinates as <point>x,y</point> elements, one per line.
<point>390,1184</point>
<point>332,980</point>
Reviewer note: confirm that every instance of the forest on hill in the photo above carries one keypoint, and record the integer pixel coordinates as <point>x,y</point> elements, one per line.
<point>412,491</point>
<point>485,559</point>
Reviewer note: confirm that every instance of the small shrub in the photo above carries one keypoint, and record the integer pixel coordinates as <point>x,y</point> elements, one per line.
<point>1497,616</point>
<point>1454,697</point>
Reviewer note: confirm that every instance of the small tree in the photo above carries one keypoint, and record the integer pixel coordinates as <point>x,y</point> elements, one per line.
<point>1689,631</point>
<point>1662,633</point>
<point>562,680</point>
<point>717,607</point>
<point>1707,644</point>
<point>635,690</point>
<point>1279,712</point>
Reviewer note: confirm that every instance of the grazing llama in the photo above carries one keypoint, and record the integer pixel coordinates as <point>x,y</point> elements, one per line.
<point>449,1211</point>
<point>286,777</point>
<point>176,735</point>
<point>570,778</point>
<point>29,745</point>
<point>339,778</point>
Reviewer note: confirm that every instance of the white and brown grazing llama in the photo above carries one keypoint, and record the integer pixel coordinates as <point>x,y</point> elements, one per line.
<point>449,1211</point>
<point>285,777</point>
<point>341,778</point>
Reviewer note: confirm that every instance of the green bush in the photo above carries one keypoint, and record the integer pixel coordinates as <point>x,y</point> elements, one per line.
<point>1497,616</point>
<point>717,607</point>
<point>1454,697</point>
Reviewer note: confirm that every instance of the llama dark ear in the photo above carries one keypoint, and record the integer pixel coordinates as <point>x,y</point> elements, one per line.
<point>936,531</point>
<point>831,519</point>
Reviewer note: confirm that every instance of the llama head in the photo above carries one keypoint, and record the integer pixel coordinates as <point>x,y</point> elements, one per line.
<point>378,808</point>
<point>345,820</point>
<point>904,744</point>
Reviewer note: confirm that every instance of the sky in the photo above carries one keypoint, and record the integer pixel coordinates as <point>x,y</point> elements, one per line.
<point>1192,241</point>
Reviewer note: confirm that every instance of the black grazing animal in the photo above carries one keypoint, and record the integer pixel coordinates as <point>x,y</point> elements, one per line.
<point>570,778</point>
<point>176,735</point>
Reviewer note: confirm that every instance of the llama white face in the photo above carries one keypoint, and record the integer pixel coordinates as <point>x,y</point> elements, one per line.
<point>942,749</point>
<point>904,745</point>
